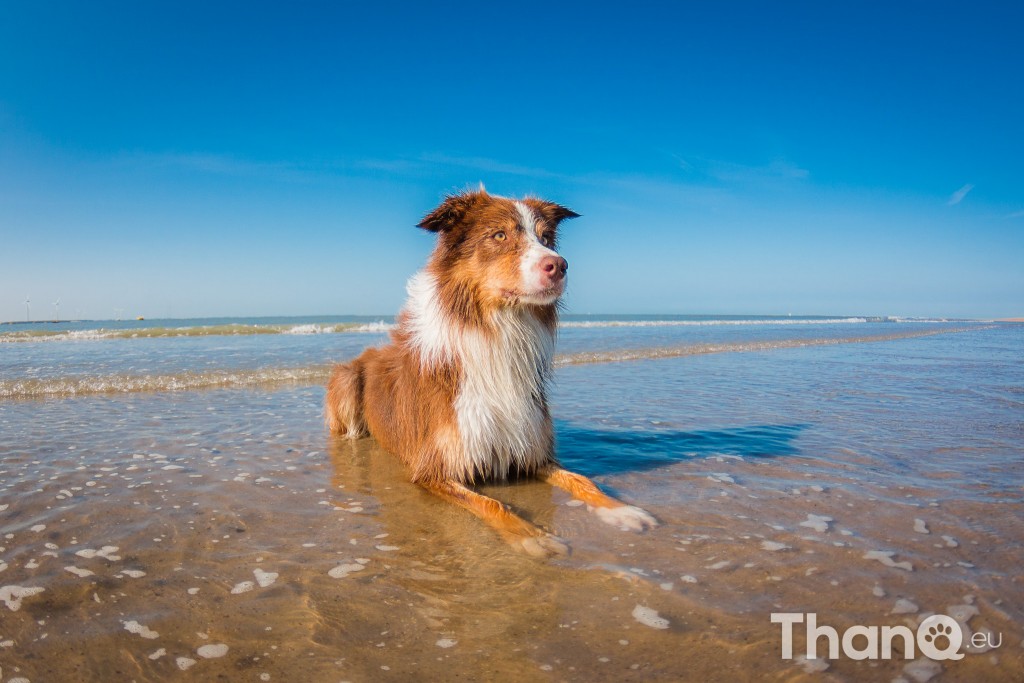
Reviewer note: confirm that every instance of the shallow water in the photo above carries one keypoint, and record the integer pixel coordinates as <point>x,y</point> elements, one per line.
<point>161,525</point>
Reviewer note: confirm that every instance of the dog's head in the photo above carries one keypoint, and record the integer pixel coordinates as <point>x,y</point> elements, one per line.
<point>504,250</point>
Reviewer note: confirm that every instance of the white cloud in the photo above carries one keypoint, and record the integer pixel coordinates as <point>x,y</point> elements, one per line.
<point>959,195</point>
<point>1015,214</point>
<point>733,173</point>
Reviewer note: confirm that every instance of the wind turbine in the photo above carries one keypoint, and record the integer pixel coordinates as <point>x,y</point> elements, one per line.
<point>28,310</point>
<point>56,310</point>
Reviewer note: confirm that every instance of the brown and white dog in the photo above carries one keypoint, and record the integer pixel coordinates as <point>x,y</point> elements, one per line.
<point>460,393</point>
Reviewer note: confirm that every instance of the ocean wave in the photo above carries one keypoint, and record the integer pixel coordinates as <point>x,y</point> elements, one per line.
<point>70,387</point>
<point>710,322</point>
<point>335,328</point>
<point>623,355</point>
<point>229,330</point>
<point>381,327</point>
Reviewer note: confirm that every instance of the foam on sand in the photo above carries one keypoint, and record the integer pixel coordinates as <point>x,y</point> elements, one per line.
<point>212,651</point>
<point>773,546</point>
<point>263,578</point>
<point>79,572</point>
<point>106,552</point>
<point>13,595</point>
<point>885,557</point>
<point>343,570</point>
<point>817,522</point>
<point>137,628</point>
<point>649,617</point>
<point>904,606</point>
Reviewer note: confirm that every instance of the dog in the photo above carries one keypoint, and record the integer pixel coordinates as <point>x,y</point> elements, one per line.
<point>460,394</point>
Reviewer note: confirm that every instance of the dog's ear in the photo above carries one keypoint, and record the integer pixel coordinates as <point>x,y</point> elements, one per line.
<point>552,213</point>
<point>451,211</point>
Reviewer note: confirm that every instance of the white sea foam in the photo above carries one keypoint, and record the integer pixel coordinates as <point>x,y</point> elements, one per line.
<point>263,578</point>
<point>212,651</point>
<point>311,328</point>
<point>106,552</point>
<point>139,629</point>
<point>649,617</point>
<point>817,522</point>
<point>904,606</point>
<point>13,595</point>
<point>343,570</point>
<point>922,670</point>
<point>811,666</point>
<point>773,546</point>
<point>225,329</point>
<point>885,557</point>
<point>79,572</point>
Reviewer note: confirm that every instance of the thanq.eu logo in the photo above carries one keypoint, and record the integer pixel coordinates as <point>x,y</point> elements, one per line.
<point>938,637</point>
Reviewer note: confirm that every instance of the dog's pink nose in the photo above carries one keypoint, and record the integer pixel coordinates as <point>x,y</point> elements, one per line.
<point>554,267</point>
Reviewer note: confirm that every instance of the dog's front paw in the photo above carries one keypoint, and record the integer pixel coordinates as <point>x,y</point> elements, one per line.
<point>544,545</point>
<point>627,517</point>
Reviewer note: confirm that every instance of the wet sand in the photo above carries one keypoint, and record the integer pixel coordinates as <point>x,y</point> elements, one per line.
<point>223,535</point>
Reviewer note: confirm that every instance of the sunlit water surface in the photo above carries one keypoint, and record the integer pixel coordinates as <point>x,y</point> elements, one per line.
<point>871,473</point>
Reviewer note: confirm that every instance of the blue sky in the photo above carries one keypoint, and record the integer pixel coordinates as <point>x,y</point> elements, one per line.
<point>208,159</point>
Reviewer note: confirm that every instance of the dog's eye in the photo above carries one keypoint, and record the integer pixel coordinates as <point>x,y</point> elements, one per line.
<point>499,236</point>
<point>547,240</point>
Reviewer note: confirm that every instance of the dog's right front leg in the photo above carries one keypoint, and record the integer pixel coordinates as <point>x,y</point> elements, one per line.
<point>519,533</point>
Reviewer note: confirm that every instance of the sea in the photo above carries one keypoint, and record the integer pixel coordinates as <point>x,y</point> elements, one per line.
<point>172,508</point>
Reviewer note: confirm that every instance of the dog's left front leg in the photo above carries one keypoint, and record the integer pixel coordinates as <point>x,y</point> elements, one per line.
<point>608,509</point>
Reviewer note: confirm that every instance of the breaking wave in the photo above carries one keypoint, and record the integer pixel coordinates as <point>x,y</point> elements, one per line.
<point>711,321</point>
<point>67,387</point>
<point>230,329</point>
<point>379,327</point>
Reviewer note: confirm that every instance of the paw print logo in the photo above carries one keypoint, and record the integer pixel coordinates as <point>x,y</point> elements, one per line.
<point>939,637</point>
<point>938,631</point>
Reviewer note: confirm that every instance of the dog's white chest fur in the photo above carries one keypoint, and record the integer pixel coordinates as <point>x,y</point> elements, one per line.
<point>499,406</point>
